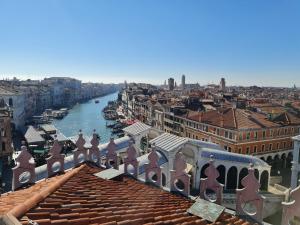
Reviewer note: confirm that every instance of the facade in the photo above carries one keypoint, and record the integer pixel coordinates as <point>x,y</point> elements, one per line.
<point>295,179</point>
<point>6,149</point>
<point>222,84</point>
<point>16,102</point>
<point>183,81</point>
<point>171,83</point>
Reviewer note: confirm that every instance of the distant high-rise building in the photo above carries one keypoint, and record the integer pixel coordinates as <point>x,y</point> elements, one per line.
<point>125,83</point>
<point>183,81</point>
<point>222,84</point>
<point>171,83</point>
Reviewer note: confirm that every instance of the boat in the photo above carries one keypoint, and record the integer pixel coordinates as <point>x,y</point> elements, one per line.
<point>96,101</point>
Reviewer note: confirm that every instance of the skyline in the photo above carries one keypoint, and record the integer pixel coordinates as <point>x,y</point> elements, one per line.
<point>248,43</point>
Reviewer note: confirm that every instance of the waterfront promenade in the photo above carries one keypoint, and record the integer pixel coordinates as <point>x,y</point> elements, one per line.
<point>87,116</point>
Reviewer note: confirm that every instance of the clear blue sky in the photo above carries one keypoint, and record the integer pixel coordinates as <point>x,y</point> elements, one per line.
<point>246,41</point>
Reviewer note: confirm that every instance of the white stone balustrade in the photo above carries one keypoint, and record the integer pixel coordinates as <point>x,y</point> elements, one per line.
<point>80,153</point>
<point>24,171</point>
<point>55,163</point>
<point>211,184</point>
<point>249,195</point>
<point>152,169</point>
<point>292,208</point>
<point>111,156</point>
<point>178,175</point>
<point>94,153</point>
<point>131,160</point>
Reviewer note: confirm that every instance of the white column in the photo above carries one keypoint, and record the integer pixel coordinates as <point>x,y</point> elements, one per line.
<point>295,163</point>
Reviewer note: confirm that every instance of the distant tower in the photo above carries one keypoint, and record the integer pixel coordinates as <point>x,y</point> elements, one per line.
<point>171,83</point>
<point>183,81</point>
<point>222,84</point>
<point>125,83</point>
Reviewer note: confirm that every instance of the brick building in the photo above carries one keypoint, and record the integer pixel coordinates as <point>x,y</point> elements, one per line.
<point>243,131</point>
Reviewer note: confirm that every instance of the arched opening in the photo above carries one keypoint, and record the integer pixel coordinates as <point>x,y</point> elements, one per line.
<point>231,178</point>
<point>10,102</point>
<point>262,158</point>
<point>222,171</point>
<point>289,160</point>
<point>203,170</point>
<point>269,160</point>
<point>256,174</point>
<point>243,173</point>
<point>264,180</point>
<point>163,180</point>
<point>283,160</point>
<point>275,166</point>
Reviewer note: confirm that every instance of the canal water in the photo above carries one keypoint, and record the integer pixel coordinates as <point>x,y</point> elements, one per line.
<point>87,117</point>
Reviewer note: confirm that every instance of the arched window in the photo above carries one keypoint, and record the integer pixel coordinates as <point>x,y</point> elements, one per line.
<point>203,170</point>
<point>243,173</point>
<point>264,180</point>
<point>10,102</point>
<point>232,178</point>
<point>222,171</point>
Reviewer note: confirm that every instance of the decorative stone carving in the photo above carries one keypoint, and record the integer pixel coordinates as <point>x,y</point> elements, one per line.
<point>111,156</point>
<point>80,153</point>
<point>292,208</point>
<point>179,175</point>
<point>153,167</point>
<point>249,194</point>
<point>24,171</point>
<point>131,160</point>
<point>55,163</point>
<point>94,153</point>
<point>211,183</point>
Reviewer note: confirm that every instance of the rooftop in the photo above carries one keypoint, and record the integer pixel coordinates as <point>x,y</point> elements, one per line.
<point>79,197</point>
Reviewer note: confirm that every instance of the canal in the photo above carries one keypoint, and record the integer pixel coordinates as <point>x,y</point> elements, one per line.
<point>87,117</point>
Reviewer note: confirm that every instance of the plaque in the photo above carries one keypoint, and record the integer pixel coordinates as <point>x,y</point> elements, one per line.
<point>110,174</point>
<point>206,210</point>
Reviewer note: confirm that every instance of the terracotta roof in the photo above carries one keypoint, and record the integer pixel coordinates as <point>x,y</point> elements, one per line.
<point>287,119</point>
<point>87,199</point>
<point>231,118</point>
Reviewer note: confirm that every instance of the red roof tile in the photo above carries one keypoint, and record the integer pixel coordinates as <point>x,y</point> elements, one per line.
<point>86,199</point>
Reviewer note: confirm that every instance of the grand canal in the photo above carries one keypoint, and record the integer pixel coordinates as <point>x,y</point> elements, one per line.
<point>86,116</point>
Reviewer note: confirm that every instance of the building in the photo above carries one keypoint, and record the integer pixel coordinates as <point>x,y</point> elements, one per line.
<point>295,179</point>
<point>183,81</point>
<point>222,85</point>
<point>6,149</point>
<point>171,84</point>
<point>16,102</point>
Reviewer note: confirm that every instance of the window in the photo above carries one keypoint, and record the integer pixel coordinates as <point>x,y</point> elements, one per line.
<point>248,136</point>
<point>2,132</point>
<point>278,146</point>
<point>271,133</point>
<point>240,150</point>
<point>255,135</point>
<point>284,145</point>
<point>248,150</point>
<point>285,131</point>
<point>241,136</point>
<point>270,147</point>
<point>230,135</point>
<point>225,147</point>
<point>3,146</point>
<point>218,131</point>
<point>226,134</point>
<point>229,149</point>
<point>255,149</point>
<point>263,148</point>
<point>278,132</point>
<point>264,134</point>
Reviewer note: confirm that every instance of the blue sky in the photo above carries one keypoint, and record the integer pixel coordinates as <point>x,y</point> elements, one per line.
<point>247,42</point>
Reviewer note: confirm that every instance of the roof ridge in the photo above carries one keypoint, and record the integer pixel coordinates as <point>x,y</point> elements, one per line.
<point>21,209</point>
